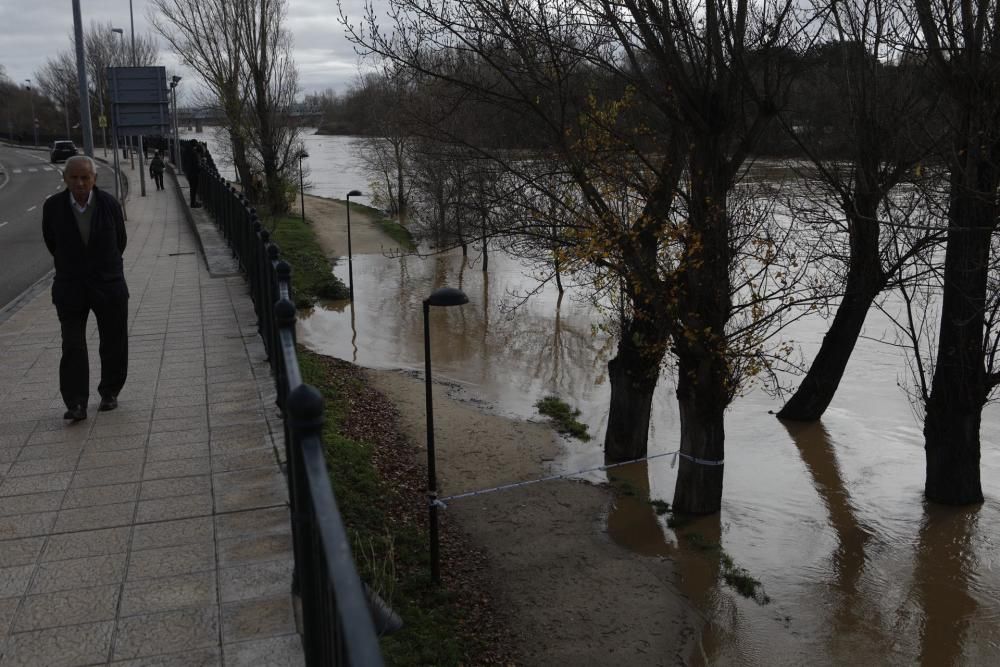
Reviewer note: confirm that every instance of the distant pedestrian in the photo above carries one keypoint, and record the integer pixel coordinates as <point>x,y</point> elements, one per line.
<point>156,168</point>
<point>84,229</point>
<point>194,172</point>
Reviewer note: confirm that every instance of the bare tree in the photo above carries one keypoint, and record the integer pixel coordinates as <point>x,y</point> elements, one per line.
<point>876,107</point>
<point>659,104</point>
<point>961,43</point>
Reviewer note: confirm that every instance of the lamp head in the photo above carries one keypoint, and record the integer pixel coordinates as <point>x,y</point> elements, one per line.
<point>354,193</point>
<point>447,296</point>
<point>175,79</point>
<point>303,154</point>
<point>120,31</point>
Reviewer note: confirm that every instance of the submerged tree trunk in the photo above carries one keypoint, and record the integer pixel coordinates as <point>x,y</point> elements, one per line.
<point>703,375</point>
<point>865,279</point>
<point>959,388</point>
<point>633,375</point>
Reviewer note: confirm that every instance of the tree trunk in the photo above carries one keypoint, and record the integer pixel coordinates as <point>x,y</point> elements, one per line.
<point>865,280</point>
<point>633,375</point>
<point>958,390</point>
<point>703,437</point>
<point>703,377</point>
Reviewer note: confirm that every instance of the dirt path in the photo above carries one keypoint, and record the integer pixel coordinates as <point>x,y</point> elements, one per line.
<point>573,596</point>
<point>330,218</point>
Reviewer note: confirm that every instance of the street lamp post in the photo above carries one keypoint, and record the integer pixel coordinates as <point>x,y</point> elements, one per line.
<point>302,192</point>
<point>350,257</point>
<point>174,80</point>
<point>444,296</point>
<point>131,19</point>
<point>34,121</point>
<point>121,60</point>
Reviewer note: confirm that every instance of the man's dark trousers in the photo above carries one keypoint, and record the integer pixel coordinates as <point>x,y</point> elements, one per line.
<point>74,367</point>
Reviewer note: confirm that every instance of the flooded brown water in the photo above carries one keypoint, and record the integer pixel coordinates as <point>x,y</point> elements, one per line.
<point>828,517</point>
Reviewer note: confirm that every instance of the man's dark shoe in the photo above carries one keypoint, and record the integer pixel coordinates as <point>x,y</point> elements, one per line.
<point>76,413</point>
<point>108,403</point>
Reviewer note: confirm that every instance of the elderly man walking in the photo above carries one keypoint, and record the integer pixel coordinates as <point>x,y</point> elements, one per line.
<point>85,231</point>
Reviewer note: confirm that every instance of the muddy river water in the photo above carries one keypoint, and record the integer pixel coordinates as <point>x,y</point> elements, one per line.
<point>829,517</point>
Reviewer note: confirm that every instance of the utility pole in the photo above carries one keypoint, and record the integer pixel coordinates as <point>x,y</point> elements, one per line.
<point>81,72</point>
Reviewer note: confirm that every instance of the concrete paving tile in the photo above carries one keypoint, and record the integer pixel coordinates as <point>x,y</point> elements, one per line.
<point>7,608</point>
<point>258,619</point>
<point>87,543</point>
<point>208,657</point>
<point>179,437</point>
<point>166,632</point>
<point>188,450</point>
<point>63,575</point>
<point>117,443</point>
<point>31,502</point>
<point>171,561</point>
<point>275,652</point>
<point>246,417</point>
<point>26,525</point>
<point>14,580</point>
<point>49,451</point>
<point>107,476</point>
<point>255,548</point>
<point>198,410</point>
<point>253,522</point>
<point>257,457</point>
<point>175,486</point>
<point>100,495</point>
<point>42,466</point>
<point>177,468</point>
<point>13,440</point>
<point>172,533</point>
<point>249,489</point>
<point>24,551</point>
<point>254,580</point>
<point>192,399</point>
<point>110,430</point>
<point>146,596</point>
<point>53,437</point>
<point>98,516</point>
<point>159,426</point>
<point>13,486</point>
<point>81,605</point>
<point>107,459</point>
<point>85,644</point>
<point>180,507</point>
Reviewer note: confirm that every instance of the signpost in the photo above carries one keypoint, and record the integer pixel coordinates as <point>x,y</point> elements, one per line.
<point>138,108</point>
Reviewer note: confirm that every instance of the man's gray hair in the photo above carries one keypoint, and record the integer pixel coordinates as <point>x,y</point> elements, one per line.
<point>83,158</point>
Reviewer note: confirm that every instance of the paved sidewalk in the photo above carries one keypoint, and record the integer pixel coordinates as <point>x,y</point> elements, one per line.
<point>157,533</point>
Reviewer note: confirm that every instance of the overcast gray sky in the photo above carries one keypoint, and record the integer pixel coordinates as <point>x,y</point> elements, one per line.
<point>33,30</point>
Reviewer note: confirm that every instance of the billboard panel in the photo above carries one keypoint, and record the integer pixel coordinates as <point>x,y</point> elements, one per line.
<point>139,100</point>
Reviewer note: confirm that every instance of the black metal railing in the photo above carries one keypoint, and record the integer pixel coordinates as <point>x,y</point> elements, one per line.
<point>337,622</point>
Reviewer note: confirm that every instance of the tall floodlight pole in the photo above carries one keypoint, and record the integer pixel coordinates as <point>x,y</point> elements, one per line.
<point>81,75</point>
<point>34,121</point>
<point>131,18</point>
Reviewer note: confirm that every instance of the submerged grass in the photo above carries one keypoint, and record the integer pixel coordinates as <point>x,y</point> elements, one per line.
<point>312,275</point>
<point>737,578</point>
<point>389,227</point>
<point>563,416</point>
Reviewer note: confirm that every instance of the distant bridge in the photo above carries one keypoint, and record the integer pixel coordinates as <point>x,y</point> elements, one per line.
<point>198,117</point>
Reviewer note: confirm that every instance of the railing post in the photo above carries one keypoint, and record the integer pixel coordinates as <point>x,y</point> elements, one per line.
<point>304,415</point>
<point>272,295</point>
<point>283,274</point>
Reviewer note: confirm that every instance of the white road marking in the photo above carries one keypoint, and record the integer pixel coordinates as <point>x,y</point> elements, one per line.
<point>32,169</point>
<point>32,208</point>
<point>16,171</point>
<point>2,224</point>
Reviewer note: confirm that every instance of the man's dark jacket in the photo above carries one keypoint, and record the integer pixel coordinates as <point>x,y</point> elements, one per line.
<point>91,274</point>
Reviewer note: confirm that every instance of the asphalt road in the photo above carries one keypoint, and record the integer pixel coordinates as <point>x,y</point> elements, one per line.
<point>26,181</point>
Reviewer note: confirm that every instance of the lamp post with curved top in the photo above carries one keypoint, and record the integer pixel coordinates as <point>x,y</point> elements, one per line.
<point>302,154</point>
<point>350,258</point>
<point>444,297</point>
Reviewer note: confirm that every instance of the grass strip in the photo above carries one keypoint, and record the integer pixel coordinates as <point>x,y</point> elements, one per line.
<point>389,227</point>
<point>312,275</point>
<point>380,490</point>
<point>563,417</point>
